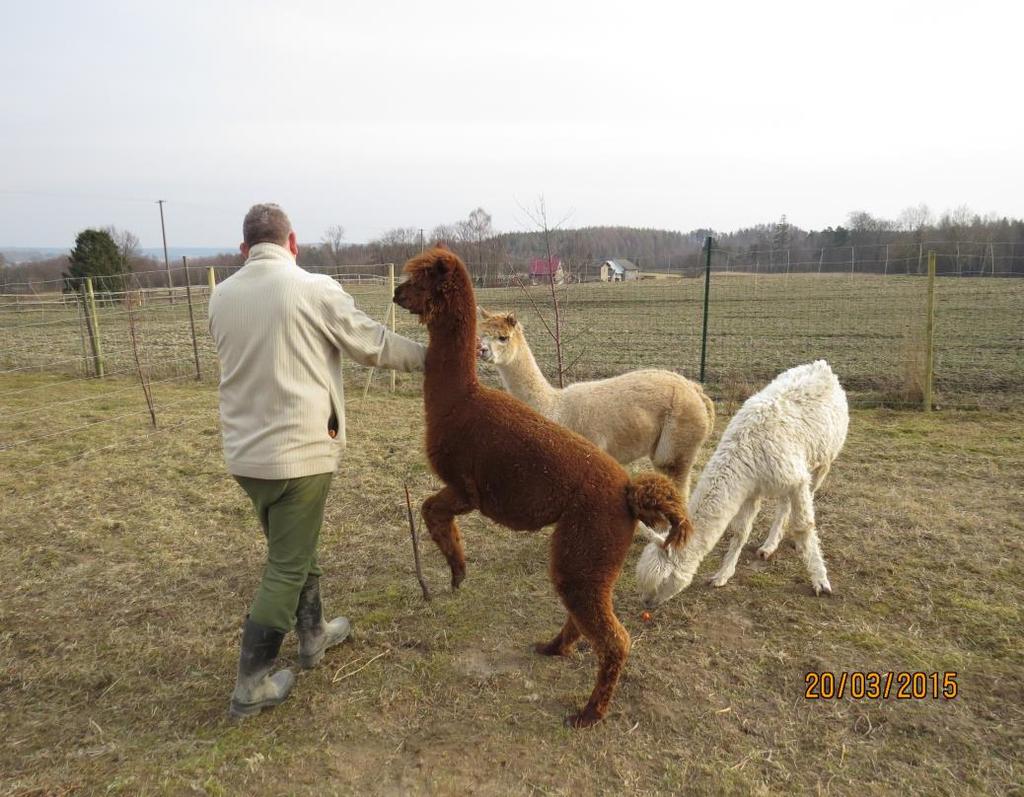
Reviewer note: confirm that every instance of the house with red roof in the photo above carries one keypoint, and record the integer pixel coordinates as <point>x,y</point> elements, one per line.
<point>542,269</point>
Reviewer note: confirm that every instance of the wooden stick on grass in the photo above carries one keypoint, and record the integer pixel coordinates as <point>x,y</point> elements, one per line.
<point>416,546</point>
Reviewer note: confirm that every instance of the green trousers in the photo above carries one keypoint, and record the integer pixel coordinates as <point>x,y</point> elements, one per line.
<point>291,512</point>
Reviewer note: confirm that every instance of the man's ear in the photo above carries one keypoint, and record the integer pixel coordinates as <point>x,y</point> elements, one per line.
<point>293,244</point>
<point>244,249</point>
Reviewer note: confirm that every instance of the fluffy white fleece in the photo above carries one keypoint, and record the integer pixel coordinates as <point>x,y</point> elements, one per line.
<point>780,445</point>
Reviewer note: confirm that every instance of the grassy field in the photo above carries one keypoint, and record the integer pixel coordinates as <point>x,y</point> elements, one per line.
<point>128,574</point>
<point>870,328</point>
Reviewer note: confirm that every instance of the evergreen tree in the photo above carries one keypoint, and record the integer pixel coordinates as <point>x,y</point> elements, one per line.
<point>780,235</point>
<point>95,255</point>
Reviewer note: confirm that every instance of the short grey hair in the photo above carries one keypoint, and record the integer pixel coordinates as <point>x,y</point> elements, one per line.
<point>266,223</point>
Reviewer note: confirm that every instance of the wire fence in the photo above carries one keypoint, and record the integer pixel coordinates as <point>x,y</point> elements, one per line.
<point>150,345</point>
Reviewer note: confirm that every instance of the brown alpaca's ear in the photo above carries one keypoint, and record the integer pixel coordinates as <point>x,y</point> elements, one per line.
<point>444,262</point>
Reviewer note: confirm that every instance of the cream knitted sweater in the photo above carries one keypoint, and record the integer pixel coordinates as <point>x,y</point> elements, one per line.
<point>280,333</point>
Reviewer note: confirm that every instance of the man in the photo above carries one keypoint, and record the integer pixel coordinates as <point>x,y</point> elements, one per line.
<point>280,333</point>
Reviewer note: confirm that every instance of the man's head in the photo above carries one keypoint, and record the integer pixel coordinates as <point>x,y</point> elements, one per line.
<point>266,223</point>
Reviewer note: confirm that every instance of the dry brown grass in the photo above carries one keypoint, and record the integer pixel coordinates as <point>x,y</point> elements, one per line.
<point>127,576</point>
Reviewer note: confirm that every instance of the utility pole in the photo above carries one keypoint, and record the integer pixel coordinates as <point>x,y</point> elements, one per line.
<point>167,263</point>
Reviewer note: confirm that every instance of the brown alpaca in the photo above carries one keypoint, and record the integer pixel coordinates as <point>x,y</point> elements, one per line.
<point>502,458</point>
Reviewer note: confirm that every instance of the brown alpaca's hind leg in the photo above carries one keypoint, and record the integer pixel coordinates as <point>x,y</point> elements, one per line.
<point>564,641</point>
<point>439,513</point>
<point>593,615</point>
<point>586,557</point>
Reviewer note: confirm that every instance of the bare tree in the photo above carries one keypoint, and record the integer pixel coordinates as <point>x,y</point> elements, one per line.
<point>448,234</point>
<point>477,229</point>
<point>333,241</point>
<point>397,244</point>
<point>915,218</point>
<point>538,215</point>
<point>127,244</point>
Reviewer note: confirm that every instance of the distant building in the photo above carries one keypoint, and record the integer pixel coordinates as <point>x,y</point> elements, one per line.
<point>619,270</point>
<point>541,270</point>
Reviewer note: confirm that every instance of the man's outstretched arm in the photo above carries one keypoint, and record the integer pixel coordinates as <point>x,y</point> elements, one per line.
<point>365,340</point>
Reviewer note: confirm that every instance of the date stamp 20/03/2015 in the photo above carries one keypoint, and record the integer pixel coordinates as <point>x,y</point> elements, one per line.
<point>858,685</point>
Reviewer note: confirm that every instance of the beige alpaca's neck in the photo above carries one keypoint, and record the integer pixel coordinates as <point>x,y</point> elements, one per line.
<point>523,378</point>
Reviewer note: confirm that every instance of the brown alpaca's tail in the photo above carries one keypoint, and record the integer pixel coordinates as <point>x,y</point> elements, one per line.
<point>653,499</point>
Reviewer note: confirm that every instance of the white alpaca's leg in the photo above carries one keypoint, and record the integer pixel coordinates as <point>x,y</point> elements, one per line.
<point>806,536</point>
<point>778,530</point>
<point>819,476</point>
<point>740,526</point>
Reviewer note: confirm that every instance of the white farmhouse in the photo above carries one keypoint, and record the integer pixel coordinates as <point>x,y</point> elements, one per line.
<point>619,270</point>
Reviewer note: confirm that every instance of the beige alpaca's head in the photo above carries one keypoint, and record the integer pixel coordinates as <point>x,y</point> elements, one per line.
<point>501,336</point>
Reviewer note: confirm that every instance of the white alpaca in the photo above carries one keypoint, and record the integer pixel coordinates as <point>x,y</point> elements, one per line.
<point>649,413</point>
<point>780,445</point>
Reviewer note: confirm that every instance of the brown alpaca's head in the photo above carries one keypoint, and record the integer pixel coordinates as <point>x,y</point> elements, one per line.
<point>436,285</point>
<point>501,336</point>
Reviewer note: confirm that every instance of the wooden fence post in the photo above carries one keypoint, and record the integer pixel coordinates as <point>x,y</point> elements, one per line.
<point>79,304</point>
<point>93,323</point>
<point>929,355</point>
<point>211,279</point>
<point>143,379</point>
<point>391,295</point>
<point>191,317</point>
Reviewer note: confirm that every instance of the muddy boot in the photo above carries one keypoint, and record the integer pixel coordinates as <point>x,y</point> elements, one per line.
<point>256,689</point>
<point>315,636</point>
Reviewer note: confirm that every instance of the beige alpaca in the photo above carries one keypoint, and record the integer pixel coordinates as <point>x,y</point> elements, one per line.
<point>649,413</point>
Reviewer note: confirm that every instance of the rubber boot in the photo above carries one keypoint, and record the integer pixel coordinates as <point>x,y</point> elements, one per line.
<point>256,689</point>
<point>315,636</point>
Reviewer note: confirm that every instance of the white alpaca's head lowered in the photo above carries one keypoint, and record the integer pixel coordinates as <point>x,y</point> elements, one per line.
<point>500,335</point>
<point>659,575</point>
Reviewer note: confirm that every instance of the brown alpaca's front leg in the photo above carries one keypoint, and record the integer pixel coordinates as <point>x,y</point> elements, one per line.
<point>439,513</point>
<point>563,643</point>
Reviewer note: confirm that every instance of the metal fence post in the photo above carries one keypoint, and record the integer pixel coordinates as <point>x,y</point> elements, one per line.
<point>394,320</point>
<point>707,293</point>
<point>929,356</point>
<point>191,317</point>
<point>93,323</point>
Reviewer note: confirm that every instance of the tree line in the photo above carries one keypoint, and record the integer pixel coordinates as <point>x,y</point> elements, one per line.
<point>868,242</point>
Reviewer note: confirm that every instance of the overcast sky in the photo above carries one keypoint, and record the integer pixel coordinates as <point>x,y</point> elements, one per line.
<point>385,114</point>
